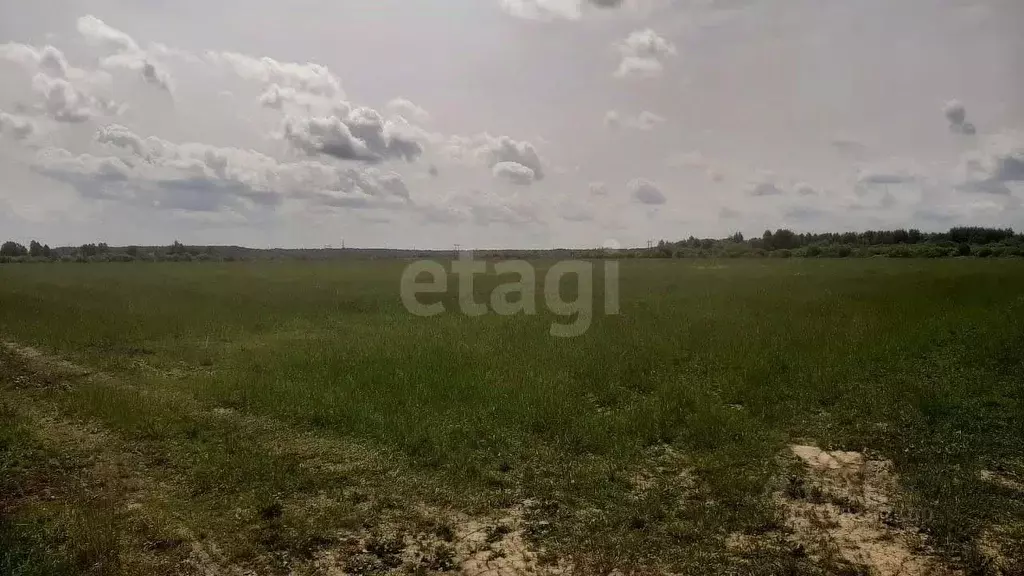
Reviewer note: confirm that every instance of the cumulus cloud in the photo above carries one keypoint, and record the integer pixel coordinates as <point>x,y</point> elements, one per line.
<point>200,177</point>
<point>405,108</point>
<point>956,114</point>
<point>646,192</point>
<point>48,59</point>
<point>93,176</point>
<point>553,9</point>
<point>635,67</point>
<point>328,135</point>
<point>308,78</point>
<point>362,135</point>
<point>63,102</point>
<point>97,31</point>
<point>646,44</point>
<point>64,91</point>
<point>127,52</point>
<point>645,120</point>
<point>287,98</point>
<point>18,127</point>
<point>642,54</point>
<point>493,150</point>
<point>514,172</point>
<point>993,168</point>
<point>572,210</point>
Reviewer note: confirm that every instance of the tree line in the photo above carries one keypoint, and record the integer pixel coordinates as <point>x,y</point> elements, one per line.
<point>901,243</point>
<point>781,243</point>
<point>12,251</point>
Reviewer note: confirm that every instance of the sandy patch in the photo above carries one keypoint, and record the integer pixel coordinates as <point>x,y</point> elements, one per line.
<point>837,509</point>
<point>1002,480</point>
<point>50,366</point>
<point>458,544</point>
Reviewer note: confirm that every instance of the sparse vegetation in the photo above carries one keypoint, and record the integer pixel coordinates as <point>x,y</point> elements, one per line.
<point>292,418</point>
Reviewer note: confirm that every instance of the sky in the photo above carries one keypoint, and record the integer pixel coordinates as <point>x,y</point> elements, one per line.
<point>505,123</point>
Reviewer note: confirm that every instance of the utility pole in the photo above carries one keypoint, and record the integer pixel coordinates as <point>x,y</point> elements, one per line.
<point>457,250</point>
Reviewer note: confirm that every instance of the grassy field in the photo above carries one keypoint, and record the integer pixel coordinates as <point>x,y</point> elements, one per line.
<point>294,418</point>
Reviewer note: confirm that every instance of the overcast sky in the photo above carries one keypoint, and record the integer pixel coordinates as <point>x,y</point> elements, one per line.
<point>505,123</point>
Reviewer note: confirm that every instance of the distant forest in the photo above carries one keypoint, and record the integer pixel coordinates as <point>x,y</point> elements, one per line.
<point>964,241</point>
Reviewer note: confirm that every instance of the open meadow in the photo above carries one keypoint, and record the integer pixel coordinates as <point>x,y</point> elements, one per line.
<point>295,418</point>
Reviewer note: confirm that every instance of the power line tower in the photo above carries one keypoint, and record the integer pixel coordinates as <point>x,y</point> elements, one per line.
<point>458,249</point>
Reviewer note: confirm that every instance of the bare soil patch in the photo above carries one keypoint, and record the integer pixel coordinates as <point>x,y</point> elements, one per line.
<point>838,508</point>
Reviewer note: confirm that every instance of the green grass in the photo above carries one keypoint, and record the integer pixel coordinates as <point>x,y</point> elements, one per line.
<point>334,389</point>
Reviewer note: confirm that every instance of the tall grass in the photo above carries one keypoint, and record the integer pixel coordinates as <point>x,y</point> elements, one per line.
<point>920,361</point>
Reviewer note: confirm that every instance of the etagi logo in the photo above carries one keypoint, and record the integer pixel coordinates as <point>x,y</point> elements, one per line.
<point>523,292</point>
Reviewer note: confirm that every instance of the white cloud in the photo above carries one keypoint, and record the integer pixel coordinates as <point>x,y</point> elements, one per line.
<point>309,78</point>
<point>646,44</point>
<point>127,52</point>
<point>287,98</point>
<point>18,127</point>
<point>993,168</point>
<point>635,67</point>
<point>552,9</point>
<point>646,192</point>
<point>492,150</point>
<point>97,31</point>
<point>63,102</point>
<point>543,9</point>
<point>48,59</point>
<point>514,172</point>
<point>199,177</point>
<point>645,120</point>
<point>573,210</point>
<point>66,92</point>
<point>404,107</point>
<point>598,189</point>
<point>642,52</point>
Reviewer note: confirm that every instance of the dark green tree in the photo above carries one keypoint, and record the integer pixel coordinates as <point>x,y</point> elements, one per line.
<point>12,249</point>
